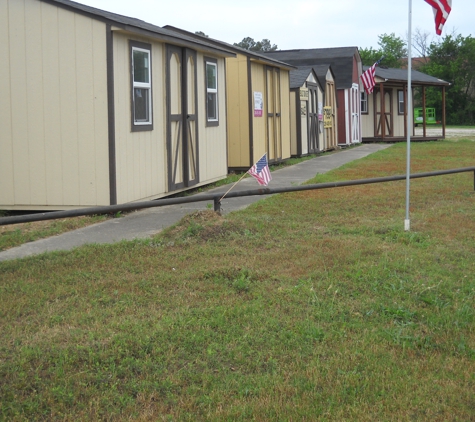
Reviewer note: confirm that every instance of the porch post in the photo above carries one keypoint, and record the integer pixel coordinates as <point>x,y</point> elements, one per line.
<point>443,112</point>
<point>382,119</point>
<point>424,109</point>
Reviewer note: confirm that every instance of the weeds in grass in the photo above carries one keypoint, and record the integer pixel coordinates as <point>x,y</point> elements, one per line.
<point>327,311</point>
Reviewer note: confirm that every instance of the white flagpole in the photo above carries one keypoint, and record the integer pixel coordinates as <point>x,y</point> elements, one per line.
<point>410,114</point>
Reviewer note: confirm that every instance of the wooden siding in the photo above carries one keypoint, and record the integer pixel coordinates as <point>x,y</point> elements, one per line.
<point>213,147</point>
<point>294,115</point>
<point>285,107</point>
<point>53,80</point>
<point>238,112</point>
<point>259,124</point>
<point>331,135</point>
<point>367,120</point>
<point>140,156</point>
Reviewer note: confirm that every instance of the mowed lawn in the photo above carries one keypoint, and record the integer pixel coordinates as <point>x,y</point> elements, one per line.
<point>306,306</point>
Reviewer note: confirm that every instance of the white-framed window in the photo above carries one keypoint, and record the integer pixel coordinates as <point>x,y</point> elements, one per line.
<point>364,102</point>
<point>212,117</point>
<point>141,86</point>
<point>400,102</point>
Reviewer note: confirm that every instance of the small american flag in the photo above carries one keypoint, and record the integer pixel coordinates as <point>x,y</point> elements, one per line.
<point>442,9</point>
<point>260,171</point>
<point>368,77</point>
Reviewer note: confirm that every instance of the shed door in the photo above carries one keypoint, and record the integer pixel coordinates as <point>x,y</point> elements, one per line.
<point>313,138</point>
<point>274,113</point>
<point>355,114</point>
<point>383,112</point>
<point>182,129</point>
<point>330,127</point>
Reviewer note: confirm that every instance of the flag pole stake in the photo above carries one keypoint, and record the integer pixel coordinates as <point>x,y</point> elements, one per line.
<point>229,190</point>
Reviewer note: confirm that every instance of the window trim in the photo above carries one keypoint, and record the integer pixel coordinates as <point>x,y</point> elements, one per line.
<point>213,62</point>
<point>365,101</point>
<point>140,126</point>
<point>401,113</point>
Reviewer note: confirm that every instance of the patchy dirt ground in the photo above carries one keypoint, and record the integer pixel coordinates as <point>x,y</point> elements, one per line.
<point>457,133</point>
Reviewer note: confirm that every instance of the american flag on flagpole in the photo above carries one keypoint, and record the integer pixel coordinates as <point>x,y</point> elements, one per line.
<point>442,9</point>
<point>260,171</point>
<point>368,78</point>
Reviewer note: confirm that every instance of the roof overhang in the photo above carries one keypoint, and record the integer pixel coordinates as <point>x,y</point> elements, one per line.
<point>136,26</point>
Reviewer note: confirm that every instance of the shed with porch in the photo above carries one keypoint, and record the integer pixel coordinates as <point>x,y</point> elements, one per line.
<point>102,109</point>
<point>384,111</point>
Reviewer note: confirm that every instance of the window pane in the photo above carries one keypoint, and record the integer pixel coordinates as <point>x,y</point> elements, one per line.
<point>364,103</point>
<point>141,105</point>
<point>211,76</point>
<point>141,66</point>
<point>212,106</point>
<point>401,102</point>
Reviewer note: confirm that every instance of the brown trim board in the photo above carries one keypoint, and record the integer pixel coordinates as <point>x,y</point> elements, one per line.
<point>111,116</point>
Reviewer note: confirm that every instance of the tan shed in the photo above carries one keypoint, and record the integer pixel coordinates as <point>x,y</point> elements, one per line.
<point>100,109</point>
<point>306,112</point>
<point>258,105</point>
<point>330,106</point>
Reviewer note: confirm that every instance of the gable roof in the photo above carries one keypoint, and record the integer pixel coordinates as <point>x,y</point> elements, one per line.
<point>299,76</point>
<point>321,70</point>
<point>340,59</point>
<point>400,76</point>
<point>138,26</point>
<point>234,48</point>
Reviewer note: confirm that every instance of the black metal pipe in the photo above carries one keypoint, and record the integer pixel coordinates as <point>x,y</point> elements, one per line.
<point>267,191</point>
<point>216,198</point>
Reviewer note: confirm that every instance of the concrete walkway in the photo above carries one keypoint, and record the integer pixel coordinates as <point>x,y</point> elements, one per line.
<point>145,223</point>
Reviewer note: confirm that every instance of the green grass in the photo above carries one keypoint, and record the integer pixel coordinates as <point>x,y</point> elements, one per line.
<point>18,234</point>
<point>304,306</point>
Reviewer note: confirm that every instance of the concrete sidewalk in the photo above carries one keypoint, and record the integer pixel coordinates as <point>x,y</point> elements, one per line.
<point>145,223</point>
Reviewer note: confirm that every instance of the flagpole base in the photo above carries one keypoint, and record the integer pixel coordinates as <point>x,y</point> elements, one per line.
<point>407,225</point>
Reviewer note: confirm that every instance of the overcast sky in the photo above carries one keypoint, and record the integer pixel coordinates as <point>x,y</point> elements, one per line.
<point>293,24</point>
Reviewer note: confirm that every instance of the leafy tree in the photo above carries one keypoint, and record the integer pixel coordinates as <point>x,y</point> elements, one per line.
<point>392,48</point>
<point>201,33</point>
<point>369,56</point>
<point>453,60</point>
<point>248,43</point>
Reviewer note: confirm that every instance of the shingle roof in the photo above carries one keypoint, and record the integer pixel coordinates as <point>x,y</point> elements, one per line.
<point>321,70</point>
<point>299,76</point>
<point>340,59</point>
<point>136,25</point>
<point>400,75</point>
